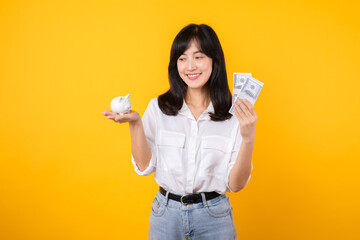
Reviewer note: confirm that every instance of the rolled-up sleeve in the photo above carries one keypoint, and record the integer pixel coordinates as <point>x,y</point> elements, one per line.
<point>234,154</point>
<point>149,124</point>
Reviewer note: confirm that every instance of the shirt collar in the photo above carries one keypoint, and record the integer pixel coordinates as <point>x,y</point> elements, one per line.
<point>185,110</point>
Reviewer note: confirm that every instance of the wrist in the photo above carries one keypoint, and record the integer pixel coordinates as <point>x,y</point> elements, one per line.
<point>136,123</point>
<point>248,141</point>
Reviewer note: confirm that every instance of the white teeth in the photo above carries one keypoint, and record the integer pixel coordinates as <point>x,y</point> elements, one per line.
<point>193,75</point>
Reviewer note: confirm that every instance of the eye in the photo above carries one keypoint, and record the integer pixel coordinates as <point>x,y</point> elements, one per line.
<point>182,59</point>
<point>199,57</point>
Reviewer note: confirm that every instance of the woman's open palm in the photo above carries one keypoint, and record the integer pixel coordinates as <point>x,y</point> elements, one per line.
<point>126,117</point>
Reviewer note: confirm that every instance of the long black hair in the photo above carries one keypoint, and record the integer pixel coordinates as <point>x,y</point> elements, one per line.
<point>217,86</point>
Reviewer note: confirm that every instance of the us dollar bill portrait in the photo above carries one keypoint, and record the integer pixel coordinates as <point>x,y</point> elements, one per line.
<point>251,88</point>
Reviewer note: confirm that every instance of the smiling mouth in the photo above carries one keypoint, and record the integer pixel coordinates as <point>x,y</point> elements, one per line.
<point>193,76</point>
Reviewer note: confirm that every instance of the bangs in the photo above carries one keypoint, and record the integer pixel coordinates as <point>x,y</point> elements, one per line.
<point>184,39</point>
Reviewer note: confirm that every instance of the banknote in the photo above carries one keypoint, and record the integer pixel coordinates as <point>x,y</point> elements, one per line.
<point>245,86</point>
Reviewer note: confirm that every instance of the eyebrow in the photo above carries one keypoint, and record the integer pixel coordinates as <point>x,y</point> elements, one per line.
<point>195,52</point>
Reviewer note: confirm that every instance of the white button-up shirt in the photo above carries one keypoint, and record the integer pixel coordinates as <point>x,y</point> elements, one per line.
<point>188,155</point>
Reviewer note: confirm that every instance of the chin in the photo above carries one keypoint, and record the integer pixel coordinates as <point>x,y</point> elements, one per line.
<point>195,86</point>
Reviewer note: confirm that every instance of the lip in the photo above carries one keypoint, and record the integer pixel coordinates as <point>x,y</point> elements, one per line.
<point>195,77</point>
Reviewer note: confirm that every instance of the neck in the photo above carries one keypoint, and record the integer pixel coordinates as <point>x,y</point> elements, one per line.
<point>197,98</point>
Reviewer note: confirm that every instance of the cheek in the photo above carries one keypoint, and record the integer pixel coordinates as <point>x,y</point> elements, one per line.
<point>208,69</point>
<point>180,68</point>
<point>207,66</point>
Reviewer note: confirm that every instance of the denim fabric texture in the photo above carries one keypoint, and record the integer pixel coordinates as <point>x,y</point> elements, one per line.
<point>172,220</point>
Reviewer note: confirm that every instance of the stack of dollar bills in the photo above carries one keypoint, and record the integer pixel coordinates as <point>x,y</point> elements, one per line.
<point>245,86</point>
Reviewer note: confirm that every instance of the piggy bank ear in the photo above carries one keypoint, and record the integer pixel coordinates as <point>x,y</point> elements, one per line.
<point>127,96</point>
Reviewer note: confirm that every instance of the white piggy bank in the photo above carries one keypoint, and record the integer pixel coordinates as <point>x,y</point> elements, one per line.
<point>121,105</point>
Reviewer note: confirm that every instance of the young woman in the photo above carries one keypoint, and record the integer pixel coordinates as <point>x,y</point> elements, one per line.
<point>196,148</point>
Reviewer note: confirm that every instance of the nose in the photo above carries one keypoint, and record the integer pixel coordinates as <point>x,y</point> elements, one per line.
<point>191,65</point>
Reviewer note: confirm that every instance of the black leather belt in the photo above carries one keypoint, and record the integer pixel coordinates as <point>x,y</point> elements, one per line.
<point>191,198</point>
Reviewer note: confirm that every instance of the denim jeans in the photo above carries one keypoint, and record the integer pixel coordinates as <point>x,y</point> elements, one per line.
<point>172,220</point>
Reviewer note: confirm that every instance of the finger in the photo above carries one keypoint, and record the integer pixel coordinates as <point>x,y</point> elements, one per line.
<point>250,106</point>
<point>245,109</point>
<point>112,114</point>
<point>236,111</point>
<point>238,117</point>
<point>106,112</point>
<point>240,105</point>
<point>239,113</point>
<point>245,119</point>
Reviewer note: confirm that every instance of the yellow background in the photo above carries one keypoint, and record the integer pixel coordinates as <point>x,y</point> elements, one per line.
<point>65,169</point>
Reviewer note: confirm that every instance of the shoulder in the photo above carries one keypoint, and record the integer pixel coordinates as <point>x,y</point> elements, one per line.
<point>154,100</point>
<point>152,107</point>
<point>153,103</point>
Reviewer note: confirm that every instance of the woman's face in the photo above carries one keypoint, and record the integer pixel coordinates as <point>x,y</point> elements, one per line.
<point>194,67</point>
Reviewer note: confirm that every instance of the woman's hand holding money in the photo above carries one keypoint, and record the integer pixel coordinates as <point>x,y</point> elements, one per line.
<point>247,117</point>
<point>132,116</point>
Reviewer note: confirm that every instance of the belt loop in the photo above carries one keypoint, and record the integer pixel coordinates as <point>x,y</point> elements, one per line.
<point>204,199</point>
<point>166,198</point>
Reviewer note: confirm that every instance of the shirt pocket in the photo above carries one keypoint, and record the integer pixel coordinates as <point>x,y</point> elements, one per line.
<point>215,155</point>
<point>170,151</point>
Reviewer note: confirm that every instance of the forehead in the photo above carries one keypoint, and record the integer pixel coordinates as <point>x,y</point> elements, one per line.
<point>193,47</point>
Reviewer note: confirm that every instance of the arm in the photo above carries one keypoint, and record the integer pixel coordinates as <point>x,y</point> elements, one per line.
<point>241,170</point>
<point>139,146</point>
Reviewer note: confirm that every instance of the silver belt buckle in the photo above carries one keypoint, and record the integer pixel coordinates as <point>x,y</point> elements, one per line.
<point>181,199</point>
